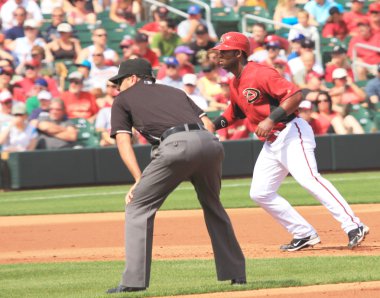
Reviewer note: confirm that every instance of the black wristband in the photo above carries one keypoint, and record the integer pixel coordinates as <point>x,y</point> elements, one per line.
<point>277,114</point>
<point>220,122</point>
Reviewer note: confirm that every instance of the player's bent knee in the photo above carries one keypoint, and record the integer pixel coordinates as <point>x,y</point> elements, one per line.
<point>258,195</point>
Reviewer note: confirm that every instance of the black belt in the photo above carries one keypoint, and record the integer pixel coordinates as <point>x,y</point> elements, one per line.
<point>184,127</point>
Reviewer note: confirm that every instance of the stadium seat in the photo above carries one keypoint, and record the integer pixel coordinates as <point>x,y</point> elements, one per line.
<point>224,20</point>
<point>88,137</point>
<point>363,116</point>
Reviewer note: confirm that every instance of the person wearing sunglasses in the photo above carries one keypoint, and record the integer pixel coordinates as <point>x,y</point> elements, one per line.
<point>172,77</point>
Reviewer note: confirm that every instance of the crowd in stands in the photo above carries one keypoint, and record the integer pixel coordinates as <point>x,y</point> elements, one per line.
<point>56,57</point>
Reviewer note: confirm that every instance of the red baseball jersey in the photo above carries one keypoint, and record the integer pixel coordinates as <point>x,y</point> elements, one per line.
<point>258,91</point>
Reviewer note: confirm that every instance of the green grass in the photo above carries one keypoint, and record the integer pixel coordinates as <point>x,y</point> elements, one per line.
<point>91,279</point>
<point>361,187</point>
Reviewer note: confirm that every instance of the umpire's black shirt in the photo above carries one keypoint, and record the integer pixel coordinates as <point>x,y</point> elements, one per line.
<point>151,109</point>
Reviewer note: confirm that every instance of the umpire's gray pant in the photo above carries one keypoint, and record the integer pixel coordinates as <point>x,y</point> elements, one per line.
<point>194,155</point>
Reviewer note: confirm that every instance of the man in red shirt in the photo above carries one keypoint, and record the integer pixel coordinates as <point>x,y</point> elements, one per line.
<point>144,51</point>
<point>367,37</point>
<point>270,103</point>
<point>78,103</point>
<point>353,17</point>
<point>374,17</point>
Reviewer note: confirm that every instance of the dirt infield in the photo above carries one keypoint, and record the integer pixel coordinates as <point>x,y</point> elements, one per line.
<point>83,237</point>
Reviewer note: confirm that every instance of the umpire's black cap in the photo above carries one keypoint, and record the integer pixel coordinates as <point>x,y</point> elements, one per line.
<point>138,66</point>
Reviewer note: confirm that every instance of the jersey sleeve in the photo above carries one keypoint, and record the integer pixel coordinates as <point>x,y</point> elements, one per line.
<point>120,119</point>
<point>277,86</point>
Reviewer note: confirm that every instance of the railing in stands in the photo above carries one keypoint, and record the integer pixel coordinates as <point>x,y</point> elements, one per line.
<point>244,26</point>
<point>355,61</point>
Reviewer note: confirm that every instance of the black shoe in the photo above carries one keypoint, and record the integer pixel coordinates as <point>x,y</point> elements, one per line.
<point>121,289</point>
<point>238,281</point>
<point>356,236</point>
<point>297,244</point>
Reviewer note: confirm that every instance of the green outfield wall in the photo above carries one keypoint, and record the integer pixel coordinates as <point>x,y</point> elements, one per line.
<point>100,166</point>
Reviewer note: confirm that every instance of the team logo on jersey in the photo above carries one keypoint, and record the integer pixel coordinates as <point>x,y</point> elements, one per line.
<point>251,94</point>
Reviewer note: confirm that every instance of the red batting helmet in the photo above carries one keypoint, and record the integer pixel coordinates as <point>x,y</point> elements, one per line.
<point>234,41</point>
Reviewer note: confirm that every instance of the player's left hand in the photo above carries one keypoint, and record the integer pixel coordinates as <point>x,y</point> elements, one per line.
<point>264,128</point>
<point>129,195</point>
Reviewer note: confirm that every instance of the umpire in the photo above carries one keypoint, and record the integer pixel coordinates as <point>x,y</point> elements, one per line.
<point>182,149</point>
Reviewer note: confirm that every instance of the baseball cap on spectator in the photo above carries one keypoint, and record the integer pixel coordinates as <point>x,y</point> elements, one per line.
<point>339,73</point>
<point>127,42</point>
<point>193,10</point>
<point>44,95</point>
<point>338,49</point>
<point>305,105</point>
<point>19,109</point>
<point>334,10</point>
<point>307,44</point>
<point>85,63</point>
<point>189,79</point>
<point>184,50</point>
<point>64,27</point>
<point>41,82</point>
<point>76,75</point>
<point>5,96</point>
<point>162,11</point>
<point>171,61</point>
<point>201,29</point>
<point>141,37</point>
<point>298,37</point>
<point>273,44</point>
<point>30,23</point>
<point>374,7</point>
<point>271,38</point>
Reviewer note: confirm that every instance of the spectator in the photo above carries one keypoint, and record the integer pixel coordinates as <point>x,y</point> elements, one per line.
<point>44,98</point>
<point>166,40</point>
<point>99,39</point>
<point>365,36</point>
<point>120,10</point>
<point>186,29</point>
<point>24,87</point>
<point>54,130</point>
<point>319,10</point>
<point>339,59</point>
<point>100,72</point>
<point>353,17</point>
<point>374,17</point>
<point>213,58</point>
<point>282,67</point>
<point>314,85</point>
<point>302,66</point>
<point>172,77</point>
<point>103,122</point>
<point>223,99</point>
<point>209,86</point>
<point>201,44</point>
<point>286,12</point>
<point>48,6</point>
<point>79,103</point>
<point>127,46</point>
<point>7,10</point>
<point>144,51</point>
<point>4,52</point>
<point>79,15</point>
<point>6,74</point>
<point>345,91</point>
<point>295,45</point>
<point>272,42</point>
<point>32,103</point>
<point>257,40</point>
<point>22,46</point>
<point>273,48</point>
<point>332,121</point>
<point>240,129</point>
<point>304,27</point>
<point>18,135</point>
<point>65,47</point>
<point>151,28</point>
<point>107,99</point>
<point>335,26</point>
<point>373,88</point>
<point>189,81</point>
<point>231,4</point>
<point>17,30</point>
<point>57,17</point>
<point>84,68</point>
<point>5,107</point>
<point>306,112</point>
<point>183,55</point>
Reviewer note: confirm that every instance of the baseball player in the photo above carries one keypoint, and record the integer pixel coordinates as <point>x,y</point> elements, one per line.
<point>182,149</point>
<point>270,103</point>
